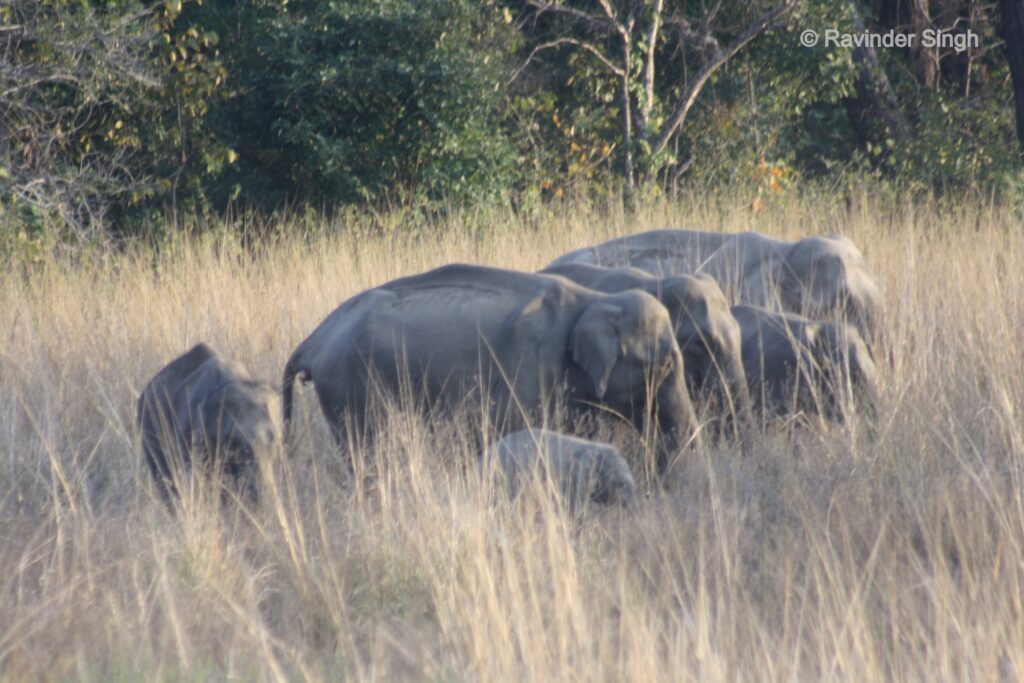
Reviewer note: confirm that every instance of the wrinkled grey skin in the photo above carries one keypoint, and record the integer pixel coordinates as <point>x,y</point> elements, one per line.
<point>205,410</point>
<point>818,277</point>
<point>581,471</point>
<point>707,333</point>
<point>524,340</point>
<point>794,364</point>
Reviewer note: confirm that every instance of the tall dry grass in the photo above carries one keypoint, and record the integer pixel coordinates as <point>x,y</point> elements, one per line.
<point>829,555</point>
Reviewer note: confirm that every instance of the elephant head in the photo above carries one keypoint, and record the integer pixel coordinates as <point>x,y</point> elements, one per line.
<point>204,410</point>
<point>625,346</point>
<point>240,422</point>
<point>613,482</point>
<point>826,277</point>
<point>818,277</point>
<point>709,338</point>
<point>708,335</point>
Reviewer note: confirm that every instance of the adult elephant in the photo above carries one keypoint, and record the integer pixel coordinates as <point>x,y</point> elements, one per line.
<point>708,335</point>
<point>659,252</point>
<point>818,277</point>
<point>518,341</point>
<point>797,365</point>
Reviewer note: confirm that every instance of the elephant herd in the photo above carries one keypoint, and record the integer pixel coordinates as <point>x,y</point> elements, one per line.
<point>639,327</point>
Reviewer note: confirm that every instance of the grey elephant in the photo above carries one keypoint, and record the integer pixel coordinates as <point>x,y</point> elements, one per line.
<point>794,364</point>
<point>708,335</point>
<point>581,471</point>
<point>517,343</point>
<point>659,252</point>
<point>818,277</point>
<point>203,410</point>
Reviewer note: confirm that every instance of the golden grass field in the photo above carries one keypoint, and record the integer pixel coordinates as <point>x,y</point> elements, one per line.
<point>830,554</point>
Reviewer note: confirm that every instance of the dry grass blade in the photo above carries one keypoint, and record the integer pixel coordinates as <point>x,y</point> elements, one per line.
<point>832,553</point>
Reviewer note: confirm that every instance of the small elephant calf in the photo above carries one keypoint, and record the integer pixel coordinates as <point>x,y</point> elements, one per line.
<point>580,470</point>
<point>205,410</point>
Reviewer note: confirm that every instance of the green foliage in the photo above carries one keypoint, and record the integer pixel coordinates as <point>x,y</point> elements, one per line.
<point>788,104</point>
<point>567,118</point>
<point>980,151</point>
<point>121,111</point>
<point>105,102</point>
<point>780,102</point>
<point>117,114</point>
<point>188,51</point>
<point>635,67</point>
<point>349,101</point>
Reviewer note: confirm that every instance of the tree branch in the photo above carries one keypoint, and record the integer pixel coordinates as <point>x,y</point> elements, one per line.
<point>610,13</point>
<point>582,44</point>
<point>648,67</point>
<point>592,21</point>
<point>705,41</point>
<point>720,57</point>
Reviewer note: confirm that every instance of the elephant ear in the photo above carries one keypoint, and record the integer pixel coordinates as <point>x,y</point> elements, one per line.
<point>211,413</point>
<point>596,346</point>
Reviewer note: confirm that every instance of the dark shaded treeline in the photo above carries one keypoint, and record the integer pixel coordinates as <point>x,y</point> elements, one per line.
<point>115,114</point>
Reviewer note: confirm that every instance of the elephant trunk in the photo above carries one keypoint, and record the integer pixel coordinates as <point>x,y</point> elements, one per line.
<point>740,406</point>
<point>728,379</point>
<point>866,385</point>
<point>863,314</point>
<point>676,420</point>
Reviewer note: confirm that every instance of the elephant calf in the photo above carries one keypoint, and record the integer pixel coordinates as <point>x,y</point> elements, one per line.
<point>581,471</point>
<point>708,335</point>
<point>794,364</point>
<point>203,409</point>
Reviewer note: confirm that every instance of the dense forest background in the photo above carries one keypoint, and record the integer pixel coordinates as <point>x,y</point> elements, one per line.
<point>121,118</point>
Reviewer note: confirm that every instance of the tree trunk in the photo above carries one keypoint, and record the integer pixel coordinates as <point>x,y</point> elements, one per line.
<point>925,60</point>
<point>627,119</point>
<point>875,99</point>
<point>627,138</point>
<point>1011,14</point>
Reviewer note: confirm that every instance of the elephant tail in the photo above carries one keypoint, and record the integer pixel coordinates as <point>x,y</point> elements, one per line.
<point>293,370</point>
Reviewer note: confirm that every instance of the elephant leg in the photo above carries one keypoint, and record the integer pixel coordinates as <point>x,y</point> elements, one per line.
<point>516,398</point>
<point>346,415</point>
<point>170,464</point>
<point>740,420</point>
<point>352,435</point>
<point>160,470</point>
